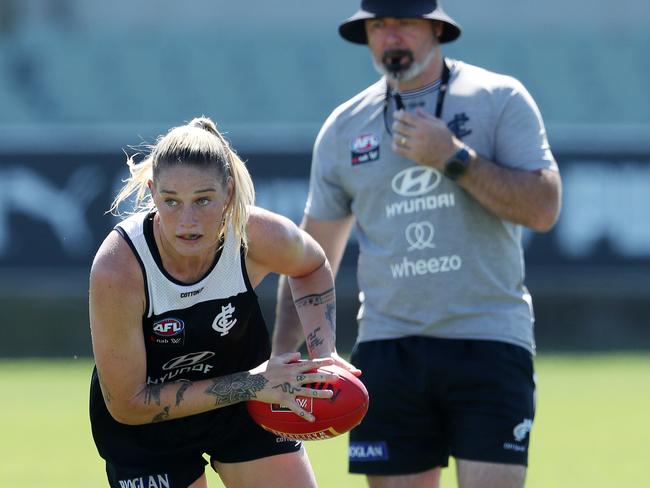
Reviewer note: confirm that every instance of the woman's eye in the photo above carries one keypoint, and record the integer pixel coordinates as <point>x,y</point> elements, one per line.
<point>203,202</point>
<point>170,202</point>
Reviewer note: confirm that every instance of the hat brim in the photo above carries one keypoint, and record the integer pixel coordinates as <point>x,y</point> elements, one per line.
<point>354,29</point>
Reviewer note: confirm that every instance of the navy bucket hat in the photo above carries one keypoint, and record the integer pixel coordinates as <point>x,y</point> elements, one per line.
<point>354,30</point>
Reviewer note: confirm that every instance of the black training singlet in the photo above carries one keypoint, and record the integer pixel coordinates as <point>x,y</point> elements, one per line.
<point>191,332</point>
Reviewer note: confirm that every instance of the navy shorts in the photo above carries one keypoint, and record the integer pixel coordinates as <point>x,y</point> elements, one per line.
<point>433,398</point>
<point>241,440</point>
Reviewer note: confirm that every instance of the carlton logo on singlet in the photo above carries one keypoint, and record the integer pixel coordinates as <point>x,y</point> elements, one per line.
<point>223,322</point>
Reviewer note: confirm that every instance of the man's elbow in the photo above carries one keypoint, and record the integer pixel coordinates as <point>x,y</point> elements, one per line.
<point>545,219</point>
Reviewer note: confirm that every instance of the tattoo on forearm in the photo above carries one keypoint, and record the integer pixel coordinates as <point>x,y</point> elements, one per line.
<point>236,387</point>
<point>314,340</point>
<point>287,388</point>
<point>316,299</point>
<point>152,393</point>
<point>164,415</point>
<point>181,392</point>
<point>330,315</point>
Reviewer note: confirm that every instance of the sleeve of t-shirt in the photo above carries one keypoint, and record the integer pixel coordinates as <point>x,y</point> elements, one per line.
<point>327,198</point>
<point>521,140</point>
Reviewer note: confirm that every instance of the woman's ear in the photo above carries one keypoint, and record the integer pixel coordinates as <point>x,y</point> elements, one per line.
<point>151,186</point>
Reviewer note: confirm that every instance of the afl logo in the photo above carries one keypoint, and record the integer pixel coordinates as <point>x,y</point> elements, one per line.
<point>365,143</point>
<point>168,327</point>
<point>415,181</point>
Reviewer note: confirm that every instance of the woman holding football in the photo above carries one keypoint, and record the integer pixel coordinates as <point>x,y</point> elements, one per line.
<point>178,337</point>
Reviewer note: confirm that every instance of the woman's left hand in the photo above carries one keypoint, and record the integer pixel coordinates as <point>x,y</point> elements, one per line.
<point>339,361</point>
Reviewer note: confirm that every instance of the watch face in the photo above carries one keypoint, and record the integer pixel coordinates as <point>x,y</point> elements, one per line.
<point>455,168</point>
<point>457,165</point>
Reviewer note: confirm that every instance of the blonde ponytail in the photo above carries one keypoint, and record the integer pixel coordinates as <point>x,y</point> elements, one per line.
<point>185,145</point>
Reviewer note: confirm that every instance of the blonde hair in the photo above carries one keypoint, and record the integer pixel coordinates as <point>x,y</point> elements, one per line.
<point>199,144</point>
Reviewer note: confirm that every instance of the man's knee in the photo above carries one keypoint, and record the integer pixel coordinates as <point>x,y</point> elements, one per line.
<point>475,474</point>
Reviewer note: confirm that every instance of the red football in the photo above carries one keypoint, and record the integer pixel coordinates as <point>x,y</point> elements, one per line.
<point>334,416</point>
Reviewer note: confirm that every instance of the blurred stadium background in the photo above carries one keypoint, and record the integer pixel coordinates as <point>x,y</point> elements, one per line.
<point>81,81</point>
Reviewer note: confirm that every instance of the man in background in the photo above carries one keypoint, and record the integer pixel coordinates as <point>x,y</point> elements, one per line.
<point>439,165</point>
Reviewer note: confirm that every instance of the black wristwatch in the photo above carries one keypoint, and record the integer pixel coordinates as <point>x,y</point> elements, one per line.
<point>456,165</point>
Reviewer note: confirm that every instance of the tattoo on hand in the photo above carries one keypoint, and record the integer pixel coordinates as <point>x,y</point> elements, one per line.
<point>316,299</point>
<point>236,387</point>
<point>287,388</point>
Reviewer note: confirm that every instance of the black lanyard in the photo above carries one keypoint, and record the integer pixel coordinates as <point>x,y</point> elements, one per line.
<point>442,91</point>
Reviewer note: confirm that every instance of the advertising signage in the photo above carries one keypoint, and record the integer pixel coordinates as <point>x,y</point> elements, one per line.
<point>53,207</point>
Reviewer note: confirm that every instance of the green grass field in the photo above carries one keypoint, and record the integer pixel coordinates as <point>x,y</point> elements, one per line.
<point>592,427</point>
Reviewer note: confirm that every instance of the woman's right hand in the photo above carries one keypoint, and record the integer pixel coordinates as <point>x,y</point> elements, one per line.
<point>287,377</point>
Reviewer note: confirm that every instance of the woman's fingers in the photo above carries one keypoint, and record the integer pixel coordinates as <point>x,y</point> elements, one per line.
<point>309,378</point>
<point>311,364</point>
<point>293,381</point>
<point>295,407</point>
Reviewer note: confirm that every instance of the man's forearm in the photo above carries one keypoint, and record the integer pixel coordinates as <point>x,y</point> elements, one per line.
<point>530,198</point>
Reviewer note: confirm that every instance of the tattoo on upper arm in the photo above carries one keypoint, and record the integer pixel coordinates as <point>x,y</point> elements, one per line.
<point>181,392</point>
<point>316,299</point>
<point>236,387</point>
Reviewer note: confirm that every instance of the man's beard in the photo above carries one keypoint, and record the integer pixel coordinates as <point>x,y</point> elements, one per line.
<point>407,71</point>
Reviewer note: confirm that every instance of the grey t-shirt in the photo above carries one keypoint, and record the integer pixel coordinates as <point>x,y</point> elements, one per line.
<point>432,262</point>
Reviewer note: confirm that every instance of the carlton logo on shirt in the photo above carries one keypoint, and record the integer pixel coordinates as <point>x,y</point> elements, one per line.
<point>365,148</point>
<point>223,322</point>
